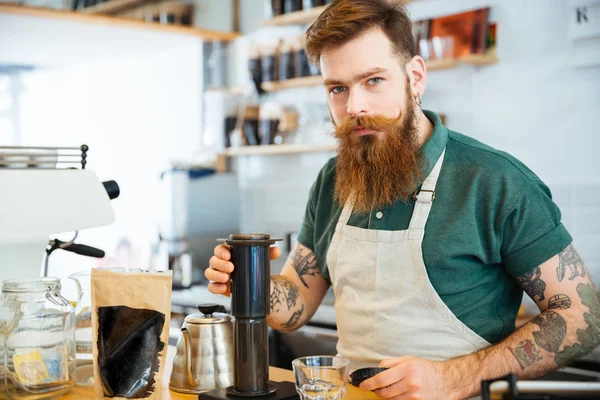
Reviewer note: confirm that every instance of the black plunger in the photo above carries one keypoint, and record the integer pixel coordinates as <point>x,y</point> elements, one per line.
<point>250,294</point>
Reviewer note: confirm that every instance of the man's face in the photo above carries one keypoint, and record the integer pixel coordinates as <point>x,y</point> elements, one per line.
<point>364,77</point>
<point>371,102</point>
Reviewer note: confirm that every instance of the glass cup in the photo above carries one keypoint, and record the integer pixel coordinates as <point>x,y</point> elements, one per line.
<point>321,377</point>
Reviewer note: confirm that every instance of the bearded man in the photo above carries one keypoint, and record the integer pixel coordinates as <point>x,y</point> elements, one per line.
<point>427,237</point>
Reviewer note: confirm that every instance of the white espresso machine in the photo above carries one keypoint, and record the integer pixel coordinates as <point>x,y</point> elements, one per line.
<point>45,191</point>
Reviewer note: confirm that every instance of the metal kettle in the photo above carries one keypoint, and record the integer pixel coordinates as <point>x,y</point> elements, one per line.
<point>204,359</point>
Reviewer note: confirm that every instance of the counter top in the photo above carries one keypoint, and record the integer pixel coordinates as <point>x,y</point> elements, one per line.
<point>275,374</point>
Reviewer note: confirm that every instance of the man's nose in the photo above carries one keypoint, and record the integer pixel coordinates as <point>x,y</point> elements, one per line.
<point>357,106</point>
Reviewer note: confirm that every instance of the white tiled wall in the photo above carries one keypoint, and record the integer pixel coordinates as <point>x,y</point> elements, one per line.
<point>533,104</point>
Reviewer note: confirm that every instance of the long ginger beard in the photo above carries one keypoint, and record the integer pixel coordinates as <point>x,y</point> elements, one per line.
<point>378,170</point>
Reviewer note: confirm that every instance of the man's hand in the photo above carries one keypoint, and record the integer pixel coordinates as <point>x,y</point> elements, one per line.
<point>220,269</point>
<point>411,378</point>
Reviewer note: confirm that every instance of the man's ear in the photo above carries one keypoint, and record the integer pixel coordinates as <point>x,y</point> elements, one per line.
<point>417,74</point>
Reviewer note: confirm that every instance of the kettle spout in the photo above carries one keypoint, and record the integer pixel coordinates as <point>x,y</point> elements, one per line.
<point>188,357</point>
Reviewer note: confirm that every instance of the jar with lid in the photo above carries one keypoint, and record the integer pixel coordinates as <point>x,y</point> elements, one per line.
<point>269,115</point>
<point>286,60</point>
<point>255,66</point>
<point>308,4</point>
<point>38,339</point>
<point>290,6</point>
<point>268,63</point>
<point>302,67</point>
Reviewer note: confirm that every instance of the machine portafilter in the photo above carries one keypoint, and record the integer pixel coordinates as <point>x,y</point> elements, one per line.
<point>113,191</point>
<point>250,305</point>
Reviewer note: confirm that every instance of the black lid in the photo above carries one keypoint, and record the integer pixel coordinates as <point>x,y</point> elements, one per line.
<point>210,313</point>
<point>364,373</point>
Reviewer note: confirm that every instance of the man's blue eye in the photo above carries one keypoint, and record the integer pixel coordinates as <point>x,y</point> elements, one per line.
<point>337,89</point>
<point>375,81</point>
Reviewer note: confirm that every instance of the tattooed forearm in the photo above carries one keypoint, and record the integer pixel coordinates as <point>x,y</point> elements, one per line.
<point>588,338</point>
<point>569,258</point>
<point>533,285</point>
<point>283,292</point>
<point>525,353</point>
<point>553,330</point>
<point>304,264</point>
<point>293,321</point>
<point>287,305</point>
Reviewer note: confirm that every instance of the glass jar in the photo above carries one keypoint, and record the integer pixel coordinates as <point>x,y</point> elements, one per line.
<point>38,339</point>
<point>84,372</point>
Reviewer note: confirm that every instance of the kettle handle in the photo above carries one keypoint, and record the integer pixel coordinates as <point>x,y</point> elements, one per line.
<point>188,357</point>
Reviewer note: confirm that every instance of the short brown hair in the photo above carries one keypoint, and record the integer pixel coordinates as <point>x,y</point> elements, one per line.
<point>345,20</point>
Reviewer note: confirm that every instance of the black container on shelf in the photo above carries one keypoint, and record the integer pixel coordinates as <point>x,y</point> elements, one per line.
<point>230,123</point>
<point>287,69</point>
<point>290,6</point>
<point>268,64</point>
<point>255,68</point>
<point>268,129</point>
<point>301,65</point>
<point>269,119</point>
<point>251,126</point>
<point>273,8</point>
<point>308,4</point>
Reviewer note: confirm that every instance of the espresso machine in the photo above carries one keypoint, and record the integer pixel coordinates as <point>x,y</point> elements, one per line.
<point>250,305</point>
<point>47,191</point>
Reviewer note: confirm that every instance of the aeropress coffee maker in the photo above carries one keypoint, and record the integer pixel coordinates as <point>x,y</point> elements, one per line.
<point>250,305</point>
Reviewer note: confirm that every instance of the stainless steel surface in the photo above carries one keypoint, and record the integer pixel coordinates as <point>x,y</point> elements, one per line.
<point>204,359</point>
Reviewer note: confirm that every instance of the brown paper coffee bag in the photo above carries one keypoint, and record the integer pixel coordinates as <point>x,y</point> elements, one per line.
<point>130,331</point>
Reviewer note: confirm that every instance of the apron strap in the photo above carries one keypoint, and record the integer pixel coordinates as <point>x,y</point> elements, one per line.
<point>346,212</point>
<point>423,201</point>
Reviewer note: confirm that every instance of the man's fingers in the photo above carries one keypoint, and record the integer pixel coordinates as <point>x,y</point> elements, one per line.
<point>220,265</point>
<point>394,390</point>
<point>216,276</point>
<point>222,251</point>
<point>218,288</point>
<point>274,252</point>
<point>382,379</point>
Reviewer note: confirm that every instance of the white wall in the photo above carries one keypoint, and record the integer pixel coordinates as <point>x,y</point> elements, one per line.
<point>134,97</point>
<point>533,104</point>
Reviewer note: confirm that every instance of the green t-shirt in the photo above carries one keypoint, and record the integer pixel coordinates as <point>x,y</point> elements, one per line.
<point>492,220</point>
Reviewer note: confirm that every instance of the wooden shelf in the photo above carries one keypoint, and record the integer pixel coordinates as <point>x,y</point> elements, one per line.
<point>292,83</point>
<point>473,59</point>
<point>114,21</point>
<point>278,149</point>
<point>296,18</point>
<point>112,6</point>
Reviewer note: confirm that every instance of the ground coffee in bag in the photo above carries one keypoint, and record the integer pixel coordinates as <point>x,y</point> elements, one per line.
<point>130,326</point>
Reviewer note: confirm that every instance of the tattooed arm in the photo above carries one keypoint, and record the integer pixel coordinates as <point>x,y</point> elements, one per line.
<point>297,292</point>
<point>567,328</point>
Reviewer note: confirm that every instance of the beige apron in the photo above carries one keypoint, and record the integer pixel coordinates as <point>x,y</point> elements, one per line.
<point>384,302</point>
